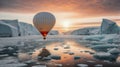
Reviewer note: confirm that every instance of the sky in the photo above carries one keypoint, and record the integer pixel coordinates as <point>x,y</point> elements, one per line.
<point>70,14</point>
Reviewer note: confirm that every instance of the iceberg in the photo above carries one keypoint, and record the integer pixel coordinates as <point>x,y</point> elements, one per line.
<point>7,30</point>
<point>71,53</point>
<point>76,57</point>
<point>94,38</point>
<point>13,28</point>
<point>10,50</point>
<point>27,29</point>
<point>114,51</point>
<point>86,31</point>
<point>109,27</point>
<point>56,57</point>
<point>105,56</point>
<point>53,32</point>
<point>82,65</point>
<point>58,65</point>
<point>39,66</point>
<point>103,47</point>
<point>14,65</point>
<point>47,58</point>
<point>56,48</point>
<point>99,65</point>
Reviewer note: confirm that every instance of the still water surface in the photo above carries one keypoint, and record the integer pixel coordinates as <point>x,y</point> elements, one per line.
<point>68,50</point>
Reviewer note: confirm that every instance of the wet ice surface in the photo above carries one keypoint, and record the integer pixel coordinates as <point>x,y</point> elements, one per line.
<point>66,52</point>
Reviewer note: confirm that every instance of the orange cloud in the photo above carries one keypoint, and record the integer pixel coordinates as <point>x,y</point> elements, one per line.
<point>84,8</point>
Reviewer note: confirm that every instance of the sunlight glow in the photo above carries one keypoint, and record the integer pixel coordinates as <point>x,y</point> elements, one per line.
<point>66,24</point>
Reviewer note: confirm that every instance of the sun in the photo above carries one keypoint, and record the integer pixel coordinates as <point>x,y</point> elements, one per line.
<point>66,24</point>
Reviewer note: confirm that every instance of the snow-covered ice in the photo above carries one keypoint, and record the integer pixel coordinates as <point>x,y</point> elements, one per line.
<point>82,65</point>
<point>99,65</point>
<point>71,53</point>
<point>114,51</point>
<point>109,27</point>
<point>39,66</point>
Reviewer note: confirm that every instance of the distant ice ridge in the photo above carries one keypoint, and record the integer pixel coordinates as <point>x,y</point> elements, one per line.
<point>107,27</point>
<point>86,31</point>
<point>13,28</point>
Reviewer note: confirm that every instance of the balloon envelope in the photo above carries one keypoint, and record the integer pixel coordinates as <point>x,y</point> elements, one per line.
<point>44,22</point>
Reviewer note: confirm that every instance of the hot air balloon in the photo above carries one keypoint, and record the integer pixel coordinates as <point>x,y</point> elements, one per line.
<point>44,22</point>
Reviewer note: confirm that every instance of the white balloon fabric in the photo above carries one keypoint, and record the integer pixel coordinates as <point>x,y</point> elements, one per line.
<point>44,22</point>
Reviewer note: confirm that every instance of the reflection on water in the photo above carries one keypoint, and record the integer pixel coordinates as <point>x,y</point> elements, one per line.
<point>67,47</point>
<point>68,51</point>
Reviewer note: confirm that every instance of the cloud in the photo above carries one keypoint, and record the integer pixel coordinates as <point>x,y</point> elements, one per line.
<point>84,8</point>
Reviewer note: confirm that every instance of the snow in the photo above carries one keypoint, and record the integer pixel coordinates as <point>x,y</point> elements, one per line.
<point>27,29</point>
<point>103,47</point>
<point>94,37</point>
<point>105,56</point>
<point>11,62</point>
<point>21,41</point>
<point>114,51</point>
<point>58,65</point>
<point>66,46</point>
<point>99,65</point>
<point>71,53</point>
<point>30,62</point>
<point>90,61</point>
<point>56,48</point>
<point>82,65</point>
<point>39,66</point>
<point>111,38</point>
<point>102,54</point>
<point>4,55</point>
<point>14,65</point>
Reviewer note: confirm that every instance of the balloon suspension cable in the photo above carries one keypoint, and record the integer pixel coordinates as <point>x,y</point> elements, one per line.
<point>44,38</point>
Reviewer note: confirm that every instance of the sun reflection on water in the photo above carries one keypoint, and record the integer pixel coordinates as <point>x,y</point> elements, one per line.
<point>67,50</point>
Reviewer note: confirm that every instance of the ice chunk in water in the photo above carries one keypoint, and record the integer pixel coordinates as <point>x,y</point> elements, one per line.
<point>99,65</point>
<point>114,51</point>
<point>40,66</point>
<point>47,58</point>
<point>56,48</point>
<point>66,46</point>
<point>76,57</point>
<point>14,65</point>
<point>58,65</point>
<point>82,65</point>
<point>56,57</point>
<point>71,53</point>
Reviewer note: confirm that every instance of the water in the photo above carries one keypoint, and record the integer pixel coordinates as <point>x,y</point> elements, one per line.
<point>66,58</point>
<point>72,53</point>
<point>67,50</point>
